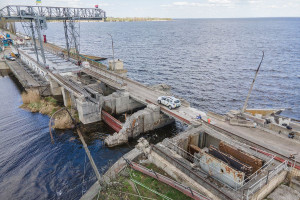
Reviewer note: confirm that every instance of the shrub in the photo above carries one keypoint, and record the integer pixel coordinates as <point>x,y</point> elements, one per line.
<point>32,96</point>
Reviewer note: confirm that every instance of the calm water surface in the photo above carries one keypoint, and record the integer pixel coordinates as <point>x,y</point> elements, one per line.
<point>210,63</point>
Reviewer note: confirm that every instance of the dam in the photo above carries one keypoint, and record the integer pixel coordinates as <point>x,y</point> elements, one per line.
<point>99,92</point>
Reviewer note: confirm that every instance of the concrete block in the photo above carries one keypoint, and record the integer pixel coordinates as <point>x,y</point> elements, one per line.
<point>239,122</point>
<point>120,102</point>
<point>116,64</point>
<point>88,112</point>
<point>216,116</point>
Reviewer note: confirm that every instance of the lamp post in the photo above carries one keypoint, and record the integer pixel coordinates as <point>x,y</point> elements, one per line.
<point>113,51</point>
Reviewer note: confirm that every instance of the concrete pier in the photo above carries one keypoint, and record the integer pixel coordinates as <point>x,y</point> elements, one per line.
<point>89,112</point>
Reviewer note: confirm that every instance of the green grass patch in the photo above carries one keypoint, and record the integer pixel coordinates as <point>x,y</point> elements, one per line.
<point>126,186</point>
<point>51,100</point>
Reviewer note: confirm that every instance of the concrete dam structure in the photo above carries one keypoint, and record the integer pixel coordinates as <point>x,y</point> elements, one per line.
<point>241,155</point>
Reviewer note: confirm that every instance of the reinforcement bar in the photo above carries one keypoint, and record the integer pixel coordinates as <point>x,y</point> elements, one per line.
<point>184,189</point>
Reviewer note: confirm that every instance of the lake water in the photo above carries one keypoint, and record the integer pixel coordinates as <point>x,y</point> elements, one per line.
<point>209,62</point>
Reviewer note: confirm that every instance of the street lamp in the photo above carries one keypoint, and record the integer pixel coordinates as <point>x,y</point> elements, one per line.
<point>113,51</point>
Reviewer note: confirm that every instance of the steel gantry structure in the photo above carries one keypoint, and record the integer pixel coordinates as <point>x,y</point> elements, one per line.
<point>34,20</point>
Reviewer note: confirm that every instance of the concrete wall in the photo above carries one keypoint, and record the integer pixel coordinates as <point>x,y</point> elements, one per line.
<point>255,119</point>
<point>216,116</point>
<point>264,191</point>
<point>55,87</point>
<point>173,171</point>
<point>239,122</point>
<point>120,102</point>
<point>88,112</point>
<point>282,129</point>
<point>106,90</point>
<point>66,97</point>
<point>210,140</point>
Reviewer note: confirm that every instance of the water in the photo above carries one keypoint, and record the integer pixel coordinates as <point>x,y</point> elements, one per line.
<point>209,62</point>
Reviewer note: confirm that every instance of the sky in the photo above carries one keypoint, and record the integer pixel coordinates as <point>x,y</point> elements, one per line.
<point>180,8</point>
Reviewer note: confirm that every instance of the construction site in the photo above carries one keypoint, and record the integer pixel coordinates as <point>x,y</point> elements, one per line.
<point>245,154</point>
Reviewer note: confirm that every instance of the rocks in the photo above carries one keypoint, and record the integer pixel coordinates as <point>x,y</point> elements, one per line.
<point>116,139</point>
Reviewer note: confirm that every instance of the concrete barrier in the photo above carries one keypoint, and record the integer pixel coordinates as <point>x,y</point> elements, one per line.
<point>283,130</point>
<point>255,119</point>
<point>239,122</point>
<point>216,116</point>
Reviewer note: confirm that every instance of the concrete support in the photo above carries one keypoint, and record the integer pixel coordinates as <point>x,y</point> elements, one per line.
<point>88,112</point>
<point>66,97</point>
<point>142,121</point>
<point>55,87</point>
<point>265,190</point>
<point>120,102</point>
<point>106,89</point>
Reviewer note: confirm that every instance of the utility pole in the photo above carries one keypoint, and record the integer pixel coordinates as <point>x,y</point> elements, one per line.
<point>113,51</point>
<point>89,156</point>
<point>246,102</point>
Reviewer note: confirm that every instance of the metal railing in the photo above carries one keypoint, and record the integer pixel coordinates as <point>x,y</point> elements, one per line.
<point>239,185</point>
<point>264,181</point>
<point>213,170</point>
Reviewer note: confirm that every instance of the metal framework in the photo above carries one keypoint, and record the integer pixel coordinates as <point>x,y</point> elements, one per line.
<point>40,14</point>
<point>18,12</point>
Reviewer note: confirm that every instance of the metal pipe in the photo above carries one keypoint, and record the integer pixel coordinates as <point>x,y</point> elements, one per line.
<point>246,102</point>
<point>67,38</point>
<point>38,28</point>
<point>34,42</point>
<point>113,50</point>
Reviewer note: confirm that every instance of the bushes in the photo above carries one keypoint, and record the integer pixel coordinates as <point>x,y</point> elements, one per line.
<point>32,96</point>
<point>47,106</point>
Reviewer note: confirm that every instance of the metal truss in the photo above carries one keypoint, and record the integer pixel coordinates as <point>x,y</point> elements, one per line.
<point>72,36</point>
<point>40,14</point>
<point>16,12</point>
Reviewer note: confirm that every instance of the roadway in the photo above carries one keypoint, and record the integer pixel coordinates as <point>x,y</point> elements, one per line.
<point>186,114</point>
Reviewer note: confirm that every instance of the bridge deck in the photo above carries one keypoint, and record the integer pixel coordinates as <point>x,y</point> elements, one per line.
<point>186,114</point>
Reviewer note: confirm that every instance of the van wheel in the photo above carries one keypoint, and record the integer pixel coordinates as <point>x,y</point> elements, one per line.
<point>158,101</point>
<point>170,107</point>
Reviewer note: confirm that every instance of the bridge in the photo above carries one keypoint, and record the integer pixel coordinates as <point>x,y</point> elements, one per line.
<point>91,88</point>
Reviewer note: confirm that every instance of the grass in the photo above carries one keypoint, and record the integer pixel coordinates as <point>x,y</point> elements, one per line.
<point>32,96</point>
<point>47,106</point>
<point>124,187</point>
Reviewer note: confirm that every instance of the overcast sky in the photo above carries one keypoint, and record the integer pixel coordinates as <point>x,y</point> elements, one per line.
<point>181,9</point>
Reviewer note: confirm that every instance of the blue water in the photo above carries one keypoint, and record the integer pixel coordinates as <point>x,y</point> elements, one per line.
<point>209,62</point>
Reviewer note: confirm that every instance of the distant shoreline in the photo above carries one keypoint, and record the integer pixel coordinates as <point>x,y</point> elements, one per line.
<point>135,19</point>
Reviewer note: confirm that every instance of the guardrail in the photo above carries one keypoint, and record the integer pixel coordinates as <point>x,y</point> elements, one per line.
<point>264,181</point>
